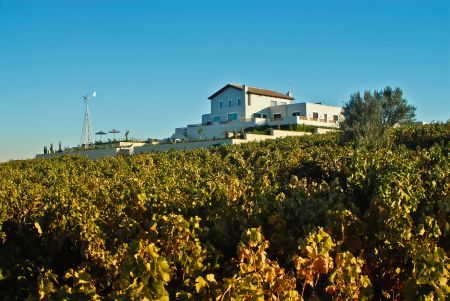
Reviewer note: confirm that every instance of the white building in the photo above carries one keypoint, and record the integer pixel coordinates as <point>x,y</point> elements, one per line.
<point>237,107</point>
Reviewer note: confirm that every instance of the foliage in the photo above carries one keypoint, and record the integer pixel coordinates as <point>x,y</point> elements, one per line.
<point>258,278</point>
<point>292,218</point>
<point>367,118</point>
<point>263,129</point>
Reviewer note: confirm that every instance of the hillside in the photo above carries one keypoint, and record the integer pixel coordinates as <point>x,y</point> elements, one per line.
<point>298,216</point>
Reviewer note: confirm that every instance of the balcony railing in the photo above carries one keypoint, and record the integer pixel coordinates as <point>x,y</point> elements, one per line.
<point>246,119</point>
<point>276,119</point>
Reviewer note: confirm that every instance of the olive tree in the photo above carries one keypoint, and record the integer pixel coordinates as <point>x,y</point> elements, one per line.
<point>367,118</point>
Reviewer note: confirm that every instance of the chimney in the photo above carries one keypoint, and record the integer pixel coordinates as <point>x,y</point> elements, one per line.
<point>245,89</point>
<point>289,93</point>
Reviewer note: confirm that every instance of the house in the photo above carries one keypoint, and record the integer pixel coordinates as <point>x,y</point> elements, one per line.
<point>236,107</point>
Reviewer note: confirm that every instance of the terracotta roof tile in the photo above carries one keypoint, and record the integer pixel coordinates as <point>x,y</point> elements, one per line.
<point>253,90</point>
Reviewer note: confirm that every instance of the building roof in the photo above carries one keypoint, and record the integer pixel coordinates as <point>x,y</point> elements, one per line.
<point>253,90</point>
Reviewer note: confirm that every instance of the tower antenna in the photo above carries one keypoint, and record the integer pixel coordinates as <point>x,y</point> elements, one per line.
<point>87,138</point>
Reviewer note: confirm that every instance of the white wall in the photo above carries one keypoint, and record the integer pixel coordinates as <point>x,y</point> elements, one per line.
<point>323,109</point>
<point>227,94</point>
<point>261,104</point>
<point>279,133</point>
<point>91,153</point>
<point>181,146</point>
<point>217,130</point>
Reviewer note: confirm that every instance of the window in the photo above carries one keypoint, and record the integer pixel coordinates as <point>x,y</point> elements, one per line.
<point>248,99</point>
<point>229,103</point>
<point>216,119</point>
<point>257,115</point>
<point>264,115</point>
<point>325,117</point>
<point>295,113</point>
<point>239,102</point>
<point>277,116</point>
<point>220,104</point>
<point>335,118</point>
<point>273,103</point>
<point>315,115</point>
<point>232,116</point>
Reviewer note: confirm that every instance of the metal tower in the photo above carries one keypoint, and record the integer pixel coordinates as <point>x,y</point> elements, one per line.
<point>87,138</point>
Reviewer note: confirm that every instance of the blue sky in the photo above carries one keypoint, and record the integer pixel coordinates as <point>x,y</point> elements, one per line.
<point>154,63</point>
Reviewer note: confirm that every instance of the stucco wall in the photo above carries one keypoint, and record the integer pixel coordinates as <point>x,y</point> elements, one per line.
<point>217,130</point>
<point>289,109</point>
<point>228,94</point>
<point>181,146</point>
<point>323,131</point>
<point>91,153</point>
<point>323,109</point>
<point>280,133</point>
<point>260,103</point>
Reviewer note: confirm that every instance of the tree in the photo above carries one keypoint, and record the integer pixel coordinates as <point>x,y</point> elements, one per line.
<point>59,148</point>
<point>395,108</point>
<point>369,117</point>
<point>52,151</point>
<point>126,135</point>
<point>45,150</point>
<point>200,132</point>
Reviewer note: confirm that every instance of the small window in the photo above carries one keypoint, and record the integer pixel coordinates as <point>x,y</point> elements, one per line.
<point>216,119</point>
<point>249,102</point>
<point>221,104</point>
<point>325,117</point>
<point>273,103</point>
<point>232,116</point>
<point>257,115</point>
<point>264,115</point>
<point>277,116</point>
<point>295,113</point>
<point>239,102</point>
<point>315,115</point>
<point>335,118</point>
<point>229,103</point>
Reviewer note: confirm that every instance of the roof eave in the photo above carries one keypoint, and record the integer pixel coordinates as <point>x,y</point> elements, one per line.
<point>223,89</point>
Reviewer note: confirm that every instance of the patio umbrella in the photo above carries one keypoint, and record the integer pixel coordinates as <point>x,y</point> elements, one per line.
<point>114,132</point>
<point>101,133</point>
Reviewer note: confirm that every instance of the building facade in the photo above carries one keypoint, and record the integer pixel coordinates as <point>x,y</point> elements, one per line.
<point>237,107</point>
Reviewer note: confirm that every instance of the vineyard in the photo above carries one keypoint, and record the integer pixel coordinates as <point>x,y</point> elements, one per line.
<point>298,218</point>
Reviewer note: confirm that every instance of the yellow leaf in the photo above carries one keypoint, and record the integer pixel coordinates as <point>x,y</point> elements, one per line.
<point>211,278</point>
<point>200,283</point>
<point>38,227</point>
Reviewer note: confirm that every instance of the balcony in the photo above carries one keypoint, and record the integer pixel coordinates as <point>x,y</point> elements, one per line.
<point>246,119</point>
<point>276,119</point>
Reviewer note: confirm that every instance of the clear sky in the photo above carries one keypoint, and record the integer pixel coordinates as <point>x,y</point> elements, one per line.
<point>154,63</point>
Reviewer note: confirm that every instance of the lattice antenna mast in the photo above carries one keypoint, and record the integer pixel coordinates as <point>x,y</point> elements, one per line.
<point>87,138</point>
